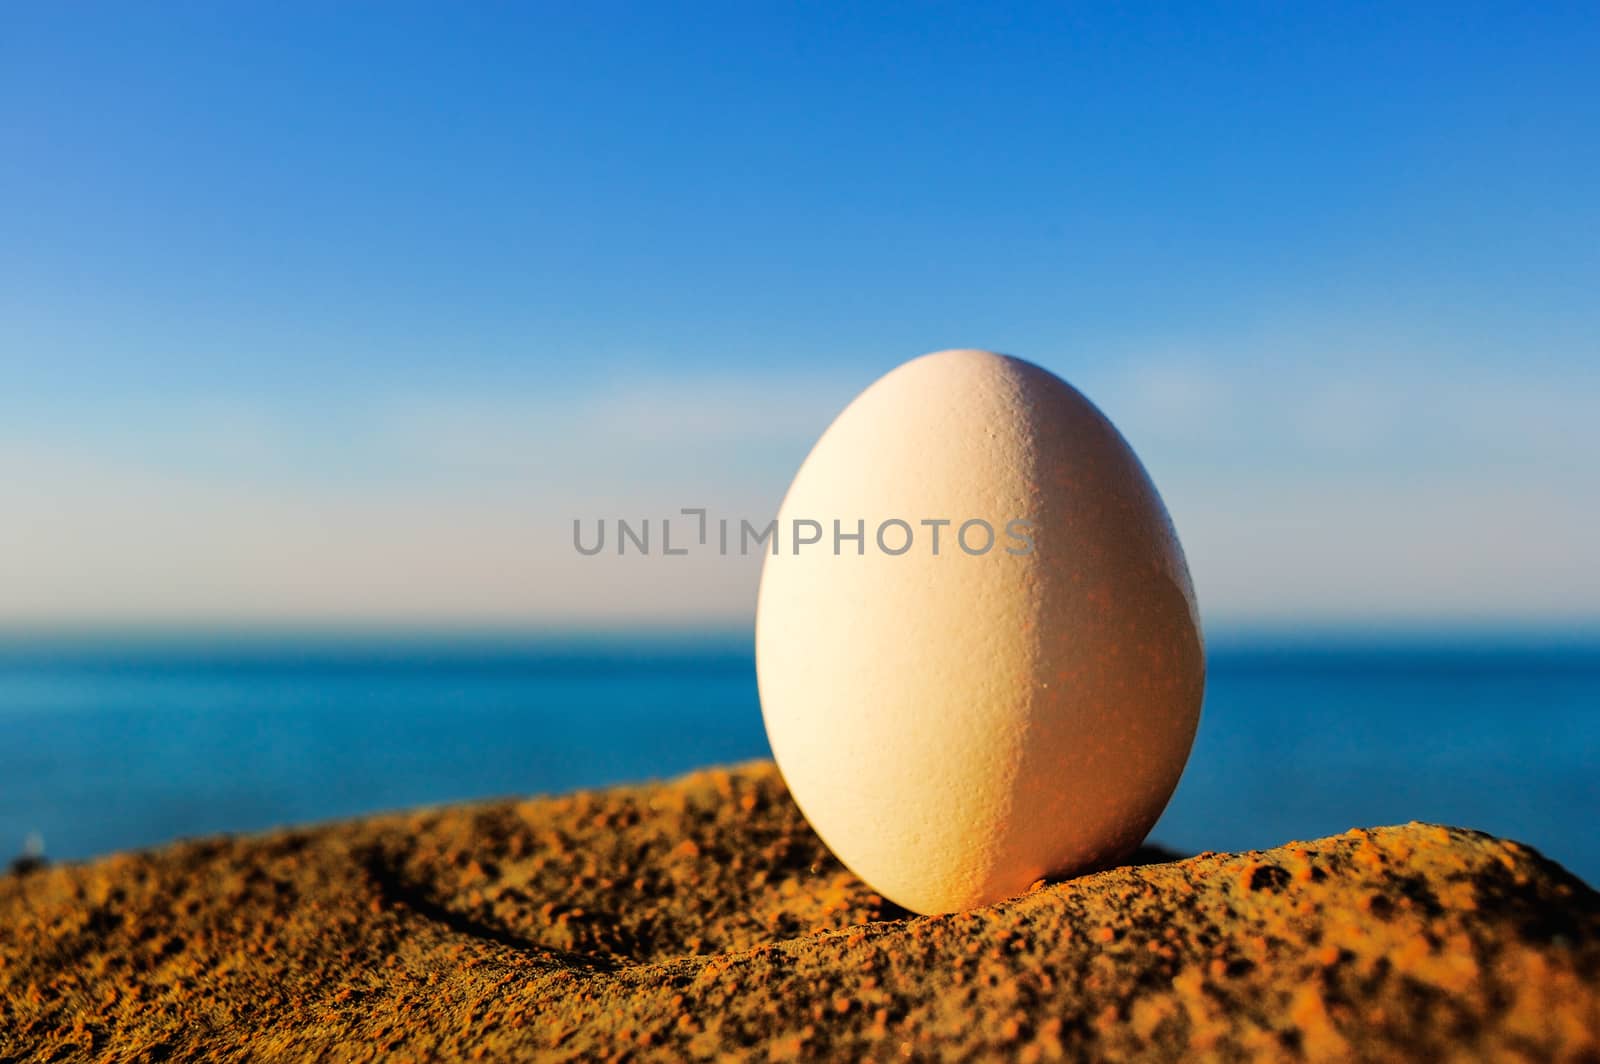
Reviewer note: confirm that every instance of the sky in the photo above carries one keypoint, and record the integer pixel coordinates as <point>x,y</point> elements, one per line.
<point>329,314</point>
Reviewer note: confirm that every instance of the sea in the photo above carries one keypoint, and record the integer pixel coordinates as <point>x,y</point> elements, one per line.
<point>115,743</point>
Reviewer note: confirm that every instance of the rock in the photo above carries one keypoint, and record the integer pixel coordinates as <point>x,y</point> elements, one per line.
<point>24,863</point>
<point>702,916</point>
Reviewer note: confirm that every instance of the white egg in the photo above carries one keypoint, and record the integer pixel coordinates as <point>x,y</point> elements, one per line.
<point>956,725</point>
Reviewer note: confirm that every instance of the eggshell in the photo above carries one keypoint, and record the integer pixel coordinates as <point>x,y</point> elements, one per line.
<point>957,725</point>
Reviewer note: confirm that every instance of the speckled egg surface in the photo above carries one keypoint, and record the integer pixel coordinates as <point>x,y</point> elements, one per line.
<point>979,655</point>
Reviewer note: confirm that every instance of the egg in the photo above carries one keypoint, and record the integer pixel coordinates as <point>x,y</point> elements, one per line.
<point>979,654</point>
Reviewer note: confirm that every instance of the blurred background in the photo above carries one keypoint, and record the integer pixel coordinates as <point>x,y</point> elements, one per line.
<point>320,325</point>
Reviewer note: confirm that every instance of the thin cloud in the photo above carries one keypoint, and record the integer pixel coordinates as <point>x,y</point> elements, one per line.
<point>1303,490</point>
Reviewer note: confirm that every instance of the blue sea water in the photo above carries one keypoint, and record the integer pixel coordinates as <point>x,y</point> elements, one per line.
<point>108,745</point>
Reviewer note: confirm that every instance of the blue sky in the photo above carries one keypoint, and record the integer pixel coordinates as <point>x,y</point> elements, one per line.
<point>342,312</point>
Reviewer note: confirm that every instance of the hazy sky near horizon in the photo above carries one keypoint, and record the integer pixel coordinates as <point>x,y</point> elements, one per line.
<point>343,313</point>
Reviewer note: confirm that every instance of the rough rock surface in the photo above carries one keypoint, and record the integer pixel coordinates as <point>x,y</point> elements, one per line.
<point>702,917</point>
